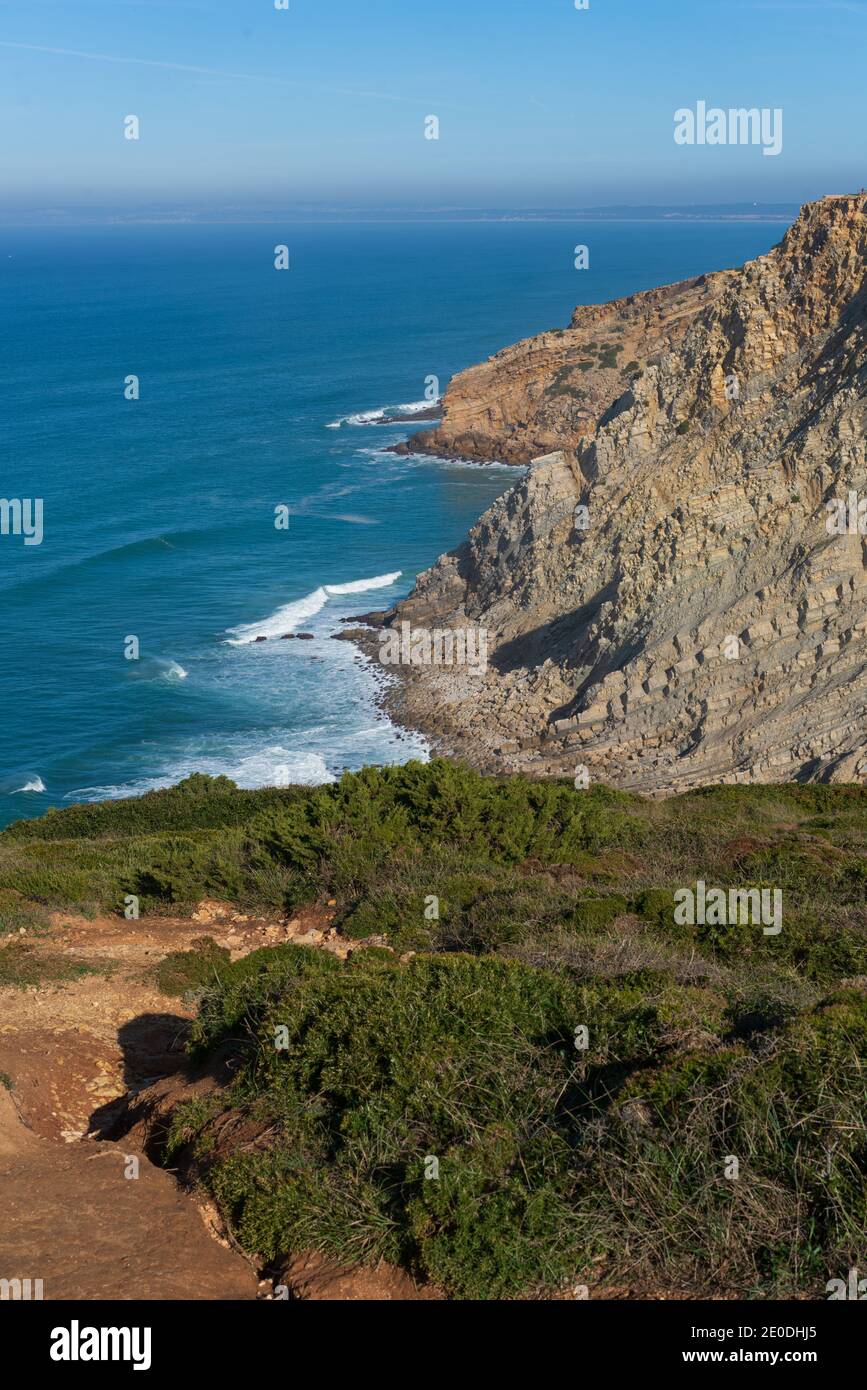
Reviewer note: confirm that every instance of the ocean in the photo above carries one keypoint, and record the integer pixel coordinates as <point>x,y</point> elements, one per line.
<point>158,513</point>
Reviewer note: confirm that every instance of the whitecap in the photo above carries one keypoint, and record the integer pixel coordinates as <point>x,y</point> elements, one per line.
<point>35,784</point>
<point>385,415</point>
<point>287,618</point>
<point>274,766</point>
<point>358,586</point>
<point>173,671</point>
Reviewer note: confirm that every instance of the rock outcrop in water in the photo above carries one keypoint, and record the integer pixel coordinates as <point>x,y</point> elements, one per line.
<point>676,592</point>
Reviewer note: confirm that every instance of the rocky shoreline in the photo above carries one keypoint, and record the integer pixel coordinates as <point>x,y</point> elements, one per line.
<point>664,598</point>
<point>471,450</point>
<point>390,696</point>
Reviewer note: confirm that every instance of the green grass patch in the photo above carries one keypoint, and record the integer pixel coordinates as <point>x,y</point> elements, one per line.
<point>23,966</point>
<point>186,972</point>
<point>17,913</point>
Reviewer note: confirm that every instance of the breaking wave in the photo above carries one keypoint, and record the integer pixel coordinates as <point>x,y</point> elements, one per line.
<point>287,618</point>
<point>35,784</point>
<point>385,415</point>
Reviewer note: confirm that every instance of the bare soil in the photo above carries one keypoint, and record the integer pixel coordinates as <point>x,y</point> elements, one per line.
<point>87,1068</point>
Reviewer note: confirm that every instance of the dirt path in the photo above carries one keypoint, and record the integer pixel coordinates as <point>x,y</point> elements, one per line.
<point>74,1218</point>
<point>90,1218</point>
<point>97,1054</point>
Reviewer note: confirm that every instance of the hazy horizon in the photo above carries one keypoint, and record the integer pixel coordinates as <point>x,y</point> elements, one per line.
<point>311,214</point>
<point>243,110</point>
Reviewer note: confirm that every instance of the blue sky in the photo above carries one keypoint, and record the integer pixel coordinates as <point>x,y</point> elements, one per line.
<point>246,107</point>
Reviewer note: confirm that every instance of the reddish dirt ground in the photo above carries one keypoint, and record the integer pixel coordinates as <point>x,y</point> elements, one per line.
<point>103,1054</point>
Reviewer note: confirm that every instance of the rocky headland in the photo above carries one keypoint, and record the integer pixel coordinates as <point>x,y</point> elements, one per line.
<point>675,593</point>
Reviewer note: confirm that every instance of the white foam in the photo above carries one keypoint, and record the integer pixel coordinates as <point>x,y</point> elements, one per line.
<point>349,731</point>
<point>421,460</point>
<point>380,455</point>
<point>35,784</point>
<point>385,415</point>
<point>287,618</point>
<point>266,767</point>
<point>358,586</point>
<point>173,671</point>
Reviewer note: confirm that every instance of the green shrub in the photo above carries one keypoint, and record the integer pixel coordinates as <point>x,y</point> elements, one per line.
<point>789,1115</point>
<point>185,972</point>
<point>538,911</point>
<point>656,905</point>
<point>466,1061</point>
<point>16,912</point>
<point>440,1114</point>
<point>593,913</point>
<point>197,803</point>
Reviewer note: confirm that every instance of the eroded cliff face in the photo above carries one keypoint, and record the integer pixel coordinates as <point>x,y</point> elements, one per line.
<point>699,621</point>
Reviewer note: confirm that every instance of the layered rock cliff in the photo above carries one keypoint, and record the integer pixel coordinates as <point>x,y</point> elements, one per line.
<point>667,599</point>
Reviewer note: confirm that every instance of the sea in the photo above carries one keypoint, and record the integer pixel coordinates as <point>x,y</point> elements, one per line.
<point>199,442</point>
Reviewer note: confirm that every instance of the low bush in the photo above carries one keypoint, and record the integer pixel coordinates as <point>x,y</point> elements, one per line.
<point>188,972</point>
<point>447,1114</point>
<point>508,916</point>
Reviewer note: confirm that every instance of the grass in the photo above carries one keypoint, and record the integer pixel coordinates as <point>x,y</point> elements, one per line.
<point>16,914</point>
<point>22,967</point>
<point>562,385</point>
<point>547,1159</point>
<point>183,973</point>
<point>608,354</point>
<point>516,914</point>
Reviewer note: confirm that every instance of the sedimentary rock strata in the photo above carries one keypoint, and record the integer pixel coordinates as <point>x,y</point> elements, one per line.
<point>676,592</point>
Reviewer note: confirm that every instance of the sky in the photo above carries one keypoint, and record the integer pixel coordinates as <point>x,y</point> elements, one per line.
<point>243,107</point>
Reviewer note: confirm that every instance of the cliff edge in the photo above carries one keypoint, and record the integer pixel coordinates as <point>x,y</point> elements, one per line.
<point>676,592</point>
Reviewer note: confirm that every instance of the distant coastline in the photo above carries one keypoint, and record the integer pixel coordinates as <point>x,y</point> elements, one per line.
<point>313,215</point>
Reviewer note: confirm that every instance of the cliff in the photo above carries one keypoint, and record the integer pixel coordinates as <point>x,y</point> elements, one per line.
<point>701,620</point>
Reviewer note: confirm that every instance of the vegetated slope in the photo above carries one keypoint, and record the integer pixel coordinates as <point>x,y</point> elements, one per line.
<point>699,621</point>
<point>433,1100</point>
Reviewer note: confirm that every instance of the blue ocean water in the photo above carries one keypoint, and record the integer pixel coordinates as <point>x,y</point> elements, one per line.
<point>159,513</point>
